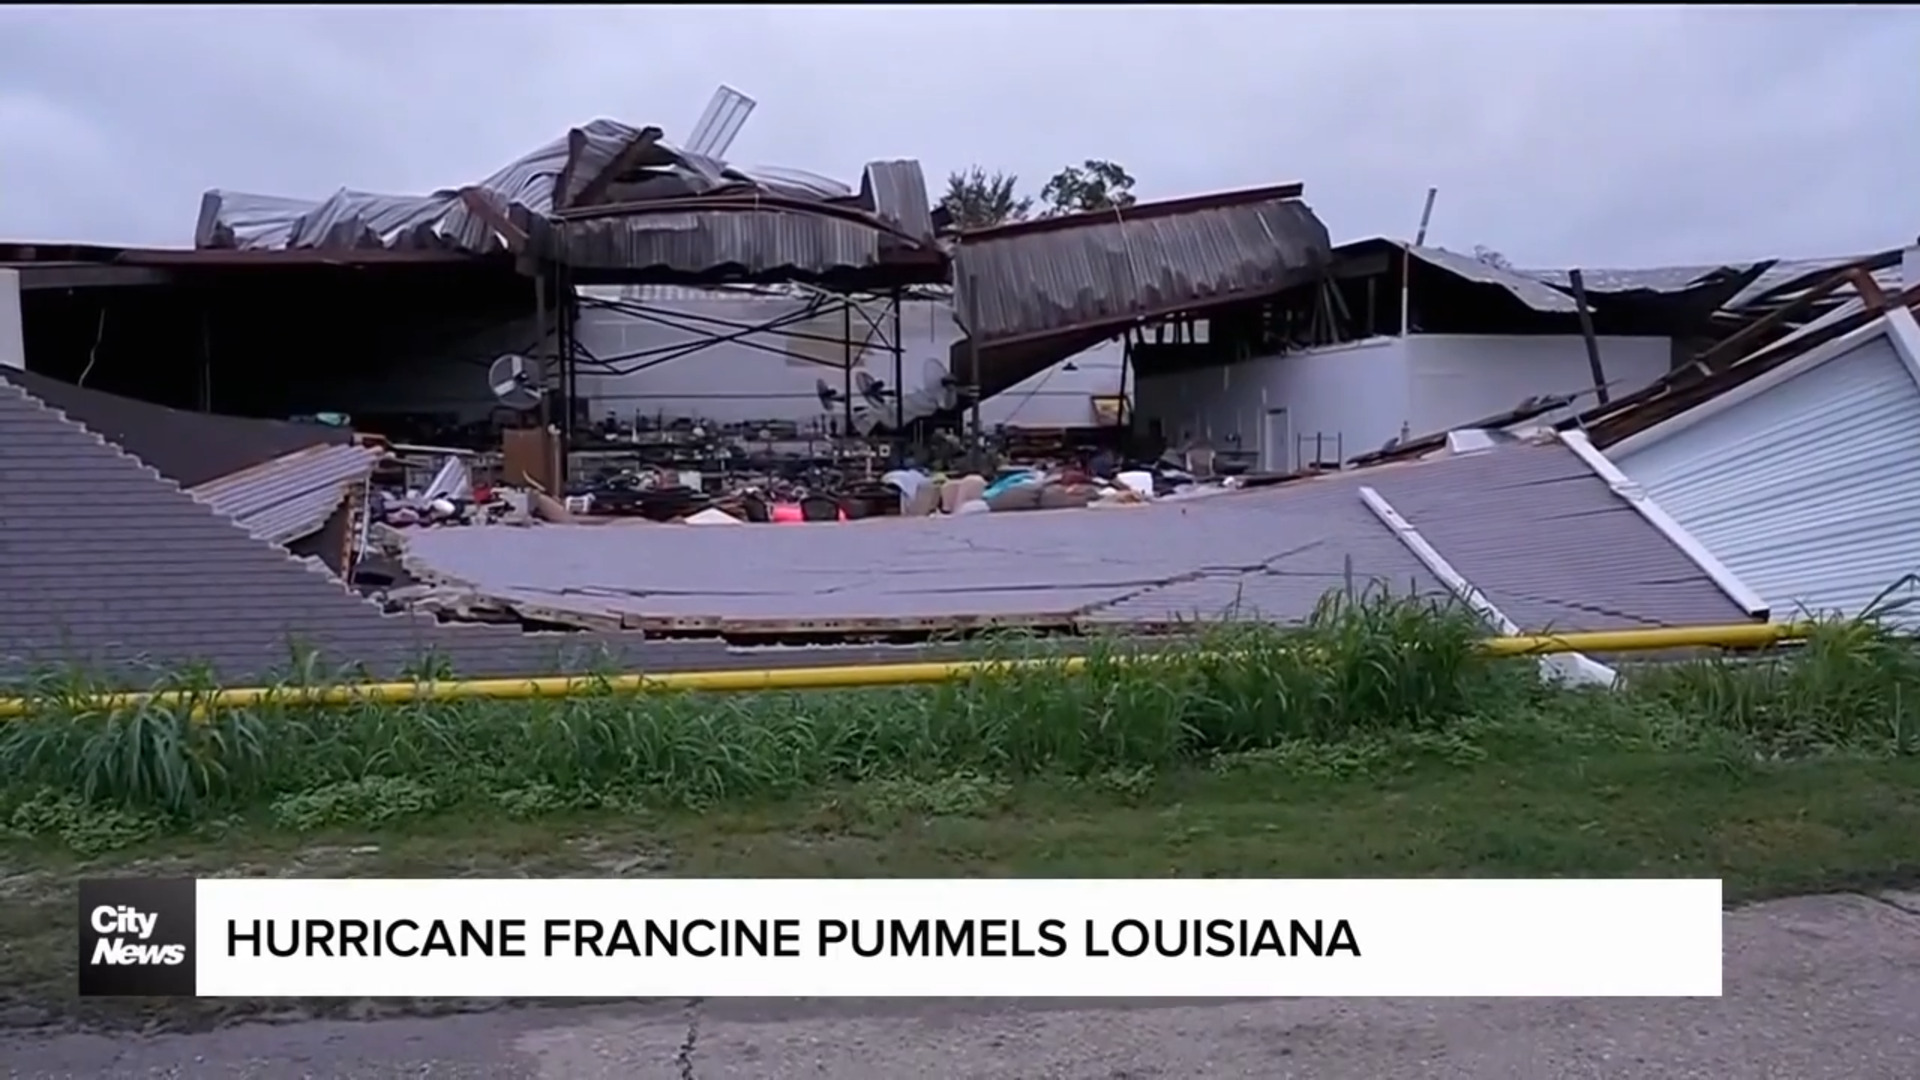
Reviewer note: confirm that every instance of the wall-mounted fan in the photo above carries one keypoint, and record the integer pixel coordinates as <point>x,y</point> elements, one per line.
<point>872,389</point>
<point>516,381</point>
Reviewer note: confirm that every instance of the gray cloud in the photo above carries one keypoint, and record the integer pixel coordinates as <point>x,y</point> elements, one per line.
<point>1593,136</point>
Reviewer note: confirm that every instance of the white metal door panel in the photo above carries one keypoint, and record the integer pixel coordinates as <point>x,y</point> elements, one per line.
<point>1810,490</point>
<point>1276,442</point>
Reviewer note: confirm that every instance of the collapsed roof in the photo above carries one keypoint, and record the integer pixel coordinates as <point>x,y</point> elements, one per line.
<point>1032,293</point>
<point>1727,295</point>
<point>1533,528</point>
<point>609,196</point>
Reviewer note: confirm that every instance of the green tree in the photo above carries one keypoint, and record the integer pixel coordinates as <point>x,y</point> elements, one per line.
<point>977,199</point>
<point>1091,185</point>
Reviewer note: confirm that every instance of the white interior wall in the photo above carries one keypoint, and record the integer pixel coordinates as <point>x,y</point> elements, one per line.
<point>1345,394</point>
<point>1344,400</point>
<point>1460,378</point>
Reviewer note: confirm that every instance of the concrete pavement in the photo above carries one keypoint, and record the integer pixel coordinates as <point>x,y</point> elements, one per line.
<point>1817,987</point>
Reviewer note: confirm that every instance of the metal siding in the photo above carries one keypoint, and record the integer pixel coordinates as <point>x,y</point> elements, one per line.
<point>753,241</point>
<point>1810,490</point>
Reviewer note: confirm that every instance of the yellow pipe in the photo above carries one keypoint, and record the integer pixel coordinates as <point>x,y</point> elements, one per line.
<point>1739,636</point>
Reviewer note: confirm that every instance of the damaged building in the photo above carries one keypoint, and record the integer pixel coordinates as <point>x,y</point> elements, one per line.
<point>207,452</point>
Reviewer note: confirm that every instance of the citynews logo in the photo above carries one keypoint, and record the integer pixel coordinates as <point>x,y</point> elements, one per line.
<point>136,938</point>
<point>108,919</point>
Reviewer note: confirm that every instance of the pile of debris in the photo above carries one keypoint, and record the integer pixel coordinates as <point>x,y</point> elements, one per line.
<point>1048,487</point>
<point>453,497</point>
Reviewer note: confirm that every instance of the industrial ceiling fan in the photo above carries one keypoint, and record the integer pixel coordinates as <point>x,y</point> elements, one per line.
<point>516,381</point>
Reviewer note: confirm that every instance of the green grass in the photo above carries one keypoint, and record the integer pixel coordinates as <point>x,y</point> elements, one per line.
<point>1375,740</point>
<point>1367,675</point>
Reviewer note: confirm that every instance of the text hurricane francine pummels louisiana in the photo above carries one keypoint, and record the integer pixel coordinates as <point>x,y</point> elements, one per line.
<point>867,938</point>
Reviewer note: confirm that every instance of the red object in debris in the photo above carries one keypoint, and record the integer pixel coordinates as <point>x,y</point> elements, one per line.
<point>482,495</point>
<point>792,514</point>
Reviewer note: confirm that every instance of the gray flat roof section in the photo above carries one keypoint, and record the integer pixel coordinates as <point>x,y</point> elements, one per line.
<point>1549,543</point>
<point>1530,526</point>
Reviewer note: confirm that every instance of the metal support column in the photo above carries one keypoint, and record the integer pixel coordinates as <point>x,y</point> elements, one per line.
<point>897,344</point>
<point>565,310</point>
<point>846,368</point>
<point>976,445</point>
<point>540,359</point>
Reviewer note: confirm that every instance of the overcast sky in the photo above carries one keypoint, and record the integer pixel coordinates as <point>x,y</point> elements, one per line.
<point>1622,137</point>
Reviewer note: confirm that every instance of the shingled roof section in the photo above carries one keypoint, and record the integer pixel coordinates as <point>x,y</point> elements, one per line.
<point>188,448</point>
<point>105,563</point>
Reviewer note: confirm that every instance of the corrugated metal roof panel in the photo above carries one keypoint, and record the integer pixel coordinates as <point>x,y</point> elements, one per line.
<point>1139,263</point>
<point>1787,271</point>
<point>1772,274</point>
<point>1660,279</point>
<point>290,496</point>
<point>750,241</point>
<point>358,218</point>
<point>661,294</point>
<point>1534,293</point>
<point>897,191</point>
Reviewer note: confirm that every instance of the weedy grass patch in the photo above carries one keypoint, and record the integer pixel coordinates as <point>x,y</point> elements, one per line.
<point>1372,678</point>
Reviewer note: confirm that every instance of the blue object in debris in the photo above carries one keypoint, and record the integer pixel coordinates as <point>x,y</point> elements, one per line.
<point>1011,481</point>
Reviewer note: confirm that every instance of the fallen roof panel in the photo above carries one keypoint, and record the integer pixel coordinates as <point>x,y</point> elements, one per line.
<point>1095,270</point>
<point>291,496</point>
